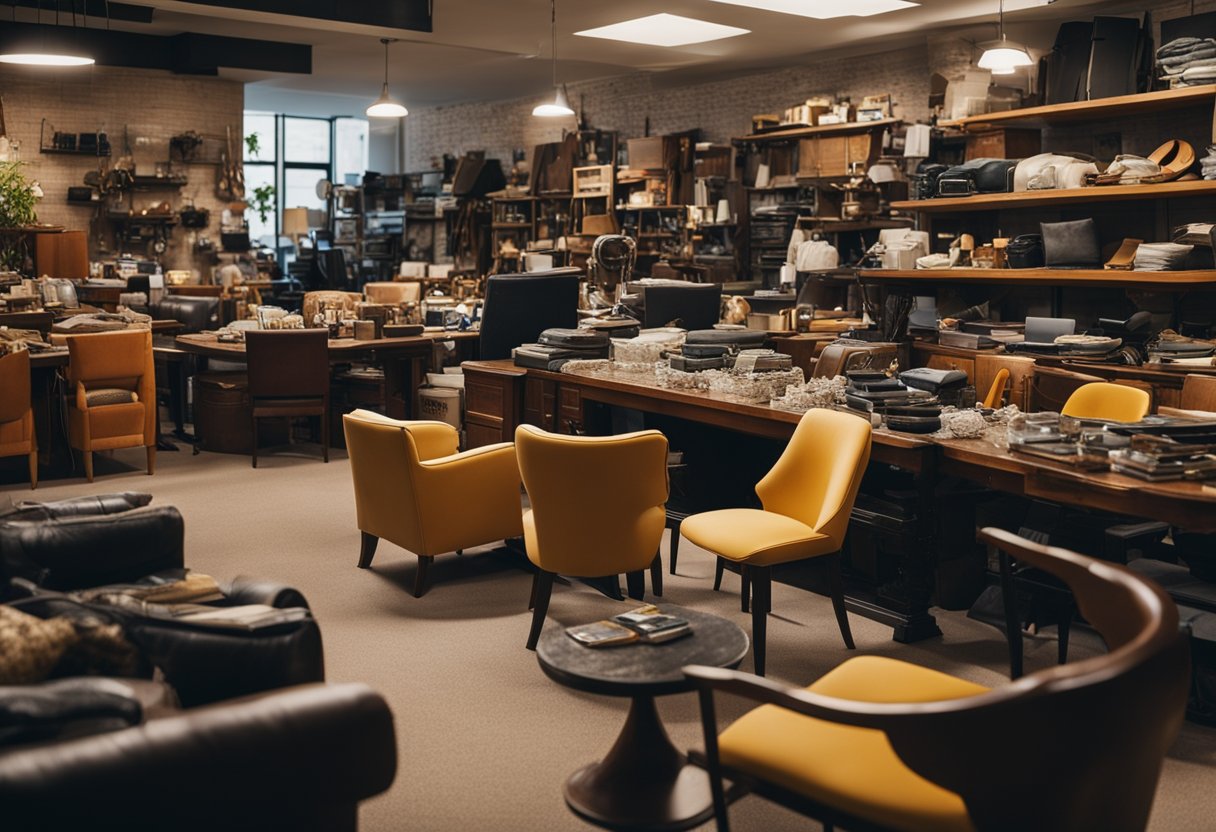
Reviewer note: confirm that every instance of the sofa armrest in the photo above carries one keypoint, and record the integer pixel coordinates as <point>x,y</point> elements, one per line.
<point>246,590</point>
<point>305,755</point>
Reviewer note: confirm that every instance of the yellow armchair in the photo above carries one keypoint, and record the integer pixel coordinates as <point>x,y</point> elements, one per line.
<point>16,413</point>
<point>1103,400</point>
<point>414,489</point>
<point>807,497</point>
<point>112,394</point>
<point>597,508</point>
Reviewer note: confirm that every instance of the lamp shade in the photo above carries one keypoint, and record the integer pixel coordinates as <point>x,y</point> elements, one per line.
<point>1004,57</point>
<point>295,222</point>
<point>386,106</point>
<point>559,106</point>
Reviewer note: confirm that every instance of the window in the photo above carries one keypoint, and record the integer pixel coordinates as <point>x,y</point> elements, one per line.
<point>306,140</point>
<point>350,150</point>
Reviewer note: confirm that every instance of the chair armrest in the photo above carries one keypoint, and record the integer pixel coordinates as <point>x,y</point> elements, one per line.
<point>244,590</point>
<point>486,480</point>
<point>315,748</point>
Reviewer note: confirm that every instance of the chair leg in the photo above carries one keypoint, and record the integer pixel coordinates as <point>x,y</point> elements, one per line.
<point>151,460</point>
<point>746,597</point>
<point>656,574</point>
<point>719,568</point>
<point>367,549</point>
<point>1063,628</point>
<point>635,584</point>
<point>1013,629</point>
<point>836,583</point>
<point>88,465</point>
<point>675,549</point>
<point>254,440</point>
<point>540,606</point>
<point>421,576</point>
<point>535,584</point>
<point>761,580</point>
<point>33,470</point>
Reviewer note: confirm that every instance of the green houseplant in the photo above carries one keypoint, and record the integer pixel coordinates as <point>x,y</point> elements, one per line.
<point>263,201</point>
<point>18,199</point>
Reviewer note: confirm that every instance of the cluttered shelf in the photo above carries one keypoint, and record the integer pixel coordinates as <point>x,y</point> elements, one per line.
<point>823,129</point>
<point>1067,196</point>
<point>1169,280</point>
<point>1120,106</point>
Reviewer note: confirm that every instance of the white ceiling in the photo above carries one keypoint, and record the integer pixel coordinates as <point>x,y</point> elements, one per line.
<point>498,49</point>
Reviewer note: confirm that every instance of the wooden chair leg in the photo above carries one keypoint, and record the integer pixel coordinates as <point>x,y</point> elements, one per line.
<point>151,460</point>
<point>33,470</point>
<point>88,465</point>
<point>719,568</point>
<point>535,584</point>
<point>254,441</point>
<point>421,576</point>
<point>367,549</point>
<point>745,574</point>
<point>761,580</point>
<point>836,583</point>
<point>540,606</point>
<point>675,549</point>
<point>1013,628</point>
<point>656,575</point>
<point>635,583</point>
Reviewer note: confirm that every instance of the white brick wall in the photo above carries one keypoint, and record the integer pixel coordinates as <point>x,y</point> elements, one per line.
<point>147,103</point>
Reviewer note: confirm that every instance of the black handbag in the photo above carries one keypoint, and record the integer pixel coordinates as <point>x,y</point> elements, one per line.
<point>1025,252</point>
<point>1071,245</point>
<point>979,176</point>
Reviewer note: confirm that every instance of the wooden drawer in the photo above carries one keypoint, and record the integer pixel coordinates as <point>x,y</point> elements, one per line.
<point>540,404</point>
<point>570,410</point>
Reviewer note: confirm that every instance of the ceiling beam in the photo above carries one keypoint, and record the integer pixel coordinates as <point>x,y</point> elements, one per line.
<point>414,15</point>
<point>98,9</point>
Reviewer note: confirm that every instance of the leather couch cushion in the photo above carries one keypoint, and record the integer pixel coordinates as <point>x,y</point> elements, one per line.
<point>69,708</point>
<point>77,506</point>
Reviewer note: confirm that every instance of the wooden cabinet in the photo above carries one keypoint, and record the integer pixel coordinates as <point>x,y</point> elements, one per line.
<point>951,362</point>
<point>826,156</point>
<point>492,404</point>
<point>1004,143</point>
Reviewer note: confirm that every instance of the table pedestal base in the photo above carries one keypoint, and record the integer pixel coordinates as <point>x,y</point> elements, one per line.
<point>645,782</point>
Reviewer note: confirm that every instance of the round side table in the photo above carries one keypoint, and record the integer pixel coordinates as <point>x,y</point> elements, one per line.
<point>645,782</point>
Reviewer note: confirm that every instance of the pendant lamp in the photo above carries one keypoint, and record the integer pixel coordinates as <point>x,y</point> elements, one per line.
<point>1003,56</point>
<point>560,105</point>
<point>386,106</point>
<point>38,52</point>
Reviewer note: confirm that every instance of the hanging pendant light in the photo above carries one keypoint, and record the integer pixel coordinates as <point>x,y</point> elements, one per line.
<point>1003,56</point>
<point>38,52</point>
<point>386,106</point>
<point>560,105</point>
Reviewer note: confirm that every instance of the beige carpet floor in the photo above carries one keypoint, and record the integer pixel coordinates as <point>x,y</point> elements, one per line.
<point>486,740</point>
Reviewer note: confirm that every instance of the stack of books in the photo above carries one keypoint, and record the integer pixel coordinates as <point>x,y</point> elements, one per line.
<point>1158,459</point>
<point>645,624</point>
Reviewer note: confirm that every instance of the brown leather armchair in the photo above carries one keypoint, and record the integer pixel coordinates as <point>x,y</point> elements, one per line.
<point>16,414</point>
<point>111,394</point>
<point>300,758</point>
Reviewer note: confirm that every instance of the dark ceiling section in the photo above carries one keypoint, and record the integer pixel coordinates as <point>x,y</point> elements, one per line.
<point>414,15</point>
<point>187,54</point>
<point>98,9</point>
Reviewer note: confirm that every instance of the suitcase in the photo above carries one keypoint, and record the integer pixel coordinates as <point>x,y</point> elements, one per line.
<point>735,339</point>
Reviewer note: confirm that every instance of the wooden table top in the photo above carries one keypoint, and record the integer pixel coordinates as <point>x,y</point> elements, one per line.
<point>205,343</point>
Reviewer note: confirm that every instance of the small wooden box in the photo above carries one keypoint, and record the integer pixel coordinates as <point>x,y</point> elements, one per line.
<point>593,181</point>
<point>1004,143</point>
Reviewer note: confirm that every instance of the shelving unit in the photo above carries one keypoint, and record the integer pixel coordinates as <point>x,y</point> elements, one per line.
<point>1118,107</point>
<point>822,130</point>
<point>1097,278</point>
<point>1070,196</point>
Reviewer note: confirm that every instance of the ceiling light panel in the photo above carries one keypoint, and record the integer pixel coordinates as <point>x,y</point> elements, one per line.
<point>826,9</point>
<point>664,30</point>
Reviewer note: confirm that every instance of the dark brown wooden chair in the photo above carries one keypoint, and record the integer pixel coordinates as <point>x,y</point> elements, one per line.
<point>288,377</point>
<point>881,744</point>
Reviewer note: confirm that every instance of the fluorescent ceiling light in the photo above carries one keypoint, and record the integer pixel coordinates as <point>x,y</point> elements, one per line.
<point>664,30</point>
<point>45,59</point>
<point>826,9</point>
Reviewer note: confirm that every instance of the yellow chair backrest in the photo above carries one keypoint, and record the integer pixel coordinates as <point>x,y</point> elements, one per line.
<point>384,458</point>
<point>597,502</point>
<point>996,392</point>
<point>15,382</point>
<point>817,477</point>
<point>1112,402</point>
<point>119,359</point>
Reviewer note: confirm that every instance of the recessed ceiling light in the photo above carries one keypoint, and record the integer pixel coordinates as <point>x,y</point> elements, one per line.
<point>826,9</point>
<point>664,30</point>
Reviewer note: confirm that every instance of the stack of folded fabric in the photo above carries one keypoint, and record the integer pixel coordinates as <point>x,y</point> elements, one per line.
<point>1162,257</point>
<point>1188,61</point>
<point>1208,163</point>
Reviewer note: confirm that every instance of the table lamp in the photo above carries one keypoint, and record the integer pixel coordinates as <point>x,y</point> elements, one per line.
<point>295,223</point>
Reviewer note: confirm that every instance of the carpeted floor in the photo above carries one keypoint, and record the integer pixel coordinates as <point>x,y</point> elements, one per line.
<point>485,739</point>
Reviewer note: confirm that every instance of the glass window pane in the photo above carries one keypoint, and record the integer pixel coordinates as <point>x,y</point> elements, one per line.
<point>350,151</point>
<point>262,125</point>
<point>260,231</point>
<point>300,188</point>
<point>306,140</point>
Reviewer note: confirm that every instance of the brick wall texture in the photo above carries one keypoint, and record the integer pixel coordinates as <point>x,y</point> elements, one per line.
<point>150,106</point>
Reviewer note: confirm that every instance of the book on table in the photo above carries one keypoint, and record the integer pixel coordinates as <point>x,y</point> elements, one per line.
<point>646,624</point>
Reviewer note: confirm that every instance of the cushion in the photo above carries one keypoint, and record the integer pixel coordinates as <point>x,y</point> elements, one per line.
<point>760,537</point>
<point>30,648</point>
<point>109,395</point>
<point>76,506</point>
<point>852,769</point>
<point>66,708</point>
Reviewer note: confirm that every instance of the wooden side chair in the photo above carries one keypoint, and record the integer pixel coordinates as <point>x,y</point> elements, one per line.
<point>879,743</point>
<point>288,377</point>
<point>16,411</point>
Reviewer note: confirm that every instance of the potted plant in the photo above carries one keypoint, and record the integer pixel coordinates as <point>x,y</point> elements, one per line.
<point>253,145</point>
<point>263,201</point>
<point>18,198</point>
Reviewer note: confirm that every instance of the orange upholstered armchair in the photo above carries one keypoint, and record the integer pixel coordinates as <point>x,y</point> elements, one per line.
<point>16,414</point>
<point>111,394</point>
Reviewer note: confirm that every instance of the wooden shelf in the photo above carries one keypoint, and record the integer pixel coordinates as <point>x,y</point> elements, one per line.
<point>1171,281</point>
<point>831,224</point>
<point>1118,107</point>
<point>1069,196</point>
<point>822,130</point>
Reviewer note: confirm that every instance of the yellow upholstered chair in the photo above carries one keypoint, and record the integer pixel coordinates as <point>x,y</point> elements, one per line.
<point>996,393</point>
<point>111,394</point>
<point>878,743</point>
<point>414,489</point>
<point>16,413</point>
<point>597,508</point>
<point>807,497</point>
<point>1112,402</point>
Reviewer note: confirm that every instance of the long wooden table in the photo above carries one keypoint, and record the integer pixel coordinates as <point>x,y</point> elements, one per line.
<point>499,396</point>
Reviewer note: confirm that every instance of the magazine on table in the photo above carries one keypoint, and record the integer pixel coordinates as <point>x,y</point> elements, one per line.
<point>646,624</point>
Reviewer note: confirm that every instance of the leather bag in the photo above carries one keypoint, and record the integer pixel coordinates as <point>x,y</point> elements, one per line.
<point>979,176</point>
<point>1071,245</point>
<point>1025,252</point>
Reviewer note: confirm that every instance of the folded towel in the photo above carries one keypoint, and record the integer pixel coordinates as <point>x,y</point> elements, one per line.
<point>1161,257</point>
